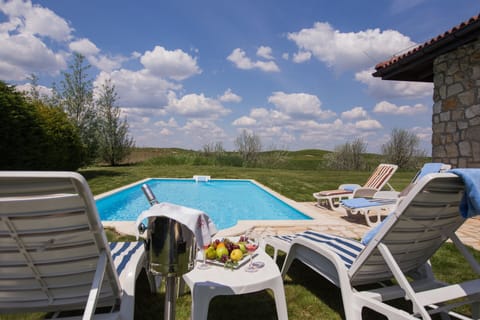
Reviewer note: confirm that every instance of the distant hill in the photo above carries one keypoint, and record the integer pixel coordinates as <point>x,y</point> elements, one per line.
<point>307,159</point>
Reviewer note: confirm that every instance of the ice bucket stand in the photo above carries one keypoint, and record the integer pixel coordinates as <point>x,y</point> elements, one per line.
<point>171,252</point>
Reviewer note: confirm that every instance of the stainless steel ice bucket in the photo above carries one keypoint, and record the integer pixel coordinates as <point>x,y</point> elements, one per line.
<point>171,247</point>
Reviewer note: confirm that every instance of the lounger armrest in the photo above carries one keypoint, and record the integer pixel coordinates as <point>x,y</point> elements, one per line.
<point>319,258</point>
<point>96,286</point>
<point>364,193</point>
<point>386,195</point>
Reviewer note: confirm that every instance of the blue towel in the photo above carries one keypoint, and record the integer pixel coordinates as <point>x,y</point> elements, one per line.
<point>433,167</point>
<point>470,203</point>
<point>368,236</point>
<point>350,187</point>
<point>359,203</point>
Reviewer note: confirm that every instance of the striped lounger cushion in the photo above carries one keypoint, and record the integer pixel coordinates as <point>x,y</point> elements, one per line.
<point>346,249</point>
<point>122,253</point>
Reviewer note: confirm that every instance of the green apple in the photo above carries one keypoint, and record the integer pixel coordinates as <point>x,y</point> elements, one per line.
<point>221,251</point>
<point>211,253</point>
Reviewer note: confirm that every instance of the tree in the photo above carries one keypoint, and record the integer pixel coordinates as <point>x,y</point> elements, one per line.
<point>35,136</point>
<point>249,146</point>
<point>76,98</point>
<point>115,143</point>
<point>347,156</point>
<point>62,148</point>
<point>402,149</point>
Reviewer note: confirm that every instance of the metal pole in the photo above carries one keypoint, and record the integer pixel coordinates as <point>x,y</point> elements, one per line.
<point>170,297</point>
<point>149,194</point>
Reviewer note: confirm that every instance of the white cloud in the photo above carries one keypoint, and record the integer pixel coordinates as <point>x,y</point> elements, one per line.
<point>92,53</point>
<point>261,118</point>
<point>166,132</point>
<point>36,57</point>
<point>171,123</point>
<point>196,105</point>
<point>423,133</point>
<point>138,88</point>
<point>369,124</point>
<point>84,46</point>
<point>35,20</point>
<point>302,56</point>
<point>349,50</point>
<point>202,131</point>
<point>390,108</point>
<point>241,61</point>
<point>299,104</point>
<point>229,96</point>
<point>175,64</point>
<point>354,113</point>
<point>265,52</point>
<point>105,63</point>
<point>244,121</point>
<point>42,90</point>
<point>23,50</point>
<point>391,89</point>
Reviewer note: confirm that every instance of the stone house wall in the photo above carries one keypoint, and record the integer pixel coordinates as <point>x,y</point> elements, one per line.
<point>456,108</point>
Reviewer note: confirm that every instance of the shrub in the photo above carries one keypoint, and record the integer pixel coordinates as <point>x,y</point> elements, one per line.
<point>35,136</point>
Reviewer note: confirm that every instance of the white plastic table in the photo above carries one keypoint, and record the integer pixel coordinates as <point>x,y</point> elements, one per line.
<point>217,280</point>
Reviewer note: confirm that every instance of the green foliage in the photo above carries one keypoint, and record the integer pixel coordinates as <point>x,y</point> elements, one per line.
<point>229,159</point>
<point>76,98</point>
<point>115,143</point>
<point>62,148</point>
<point>20,131</point>
<point>34,136</point>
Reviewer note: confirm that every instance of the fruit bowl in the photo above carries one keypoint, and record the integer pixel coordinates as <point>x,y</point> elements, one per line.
<point>227,252</point>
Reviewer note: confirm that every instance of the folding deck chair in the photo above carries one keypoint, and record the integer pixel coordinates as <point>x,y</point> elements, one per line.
<point>54,255</point>
<point>399,248</point>
<point>383,202</point>
<point>379,178</point>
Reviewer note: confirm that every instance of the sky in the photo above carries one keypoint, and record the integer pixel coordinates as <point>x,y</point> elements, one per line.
<point>189,73</point>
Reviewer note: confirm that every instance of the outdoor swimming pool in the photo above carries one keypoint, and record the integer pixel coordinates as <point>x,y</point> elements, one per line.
<point>225,201</point>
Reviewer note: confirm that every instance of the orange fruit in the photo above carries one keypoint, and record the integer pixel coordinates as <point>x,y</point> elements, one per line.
<point>221,245</point>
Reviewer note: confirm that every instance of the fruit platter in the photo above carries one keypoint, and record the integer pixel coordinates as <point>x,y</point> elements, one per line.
<point>227,252</point>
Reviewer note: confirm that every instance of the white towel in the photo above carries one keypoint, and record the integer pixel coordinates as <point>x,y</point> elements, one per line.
<point>195,220</point>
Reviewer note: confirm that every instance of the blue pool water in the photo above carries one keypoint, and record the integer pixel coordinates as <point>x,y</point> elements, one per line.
<point>225,201</point>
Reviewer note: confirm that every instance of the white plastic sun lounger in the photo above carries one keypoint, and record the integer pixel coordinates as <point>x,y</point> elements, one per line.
<point>54,252</point>
<point>331,198</point>
<point>383,202</point>
<point>399,248</point>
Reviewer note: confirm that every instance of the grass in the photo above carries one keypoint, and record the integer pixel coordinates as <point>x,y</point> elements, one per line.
<point>308,295</point>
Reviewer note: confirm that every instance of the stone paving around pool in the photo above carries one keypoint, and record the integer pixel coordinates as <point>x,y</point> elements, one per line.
<point>323,220</point>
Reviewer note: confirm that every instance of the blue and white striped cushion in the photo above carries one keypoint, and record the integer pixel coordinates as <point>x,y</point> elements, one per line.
<point>122,252</point>
<point>346,249</point>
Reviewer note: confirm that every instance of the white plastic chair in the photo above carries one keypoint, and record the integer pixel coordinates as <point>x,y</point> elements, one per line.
<point>379,178</point>
<point>383,202</point>
<point>54,252</point>
<point>400,249</point>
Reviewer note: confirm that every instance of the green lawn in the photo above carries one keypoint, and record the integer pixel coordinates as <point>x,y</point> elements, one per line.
<point>308,295</point>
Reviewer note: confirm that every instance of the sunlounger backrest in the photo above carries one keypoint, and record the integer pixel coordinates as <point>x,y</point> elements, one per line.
<point>51,242</point>
<point>416,230</point>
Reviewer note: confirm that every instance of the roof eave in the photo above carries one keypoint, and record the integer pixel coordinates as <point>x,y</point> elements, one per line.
<point>418,65</point>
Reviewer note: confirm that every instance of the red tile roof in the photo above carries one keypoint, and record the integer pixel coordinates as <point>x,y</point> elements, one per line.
<point>411,64</point>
